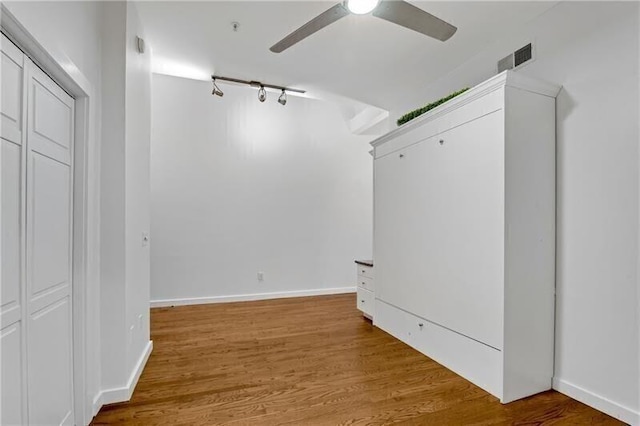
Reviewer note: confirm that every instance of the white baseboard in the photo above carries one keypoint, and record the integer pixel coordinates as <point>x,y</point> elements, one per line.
<point>598,402</point>
<point>250,297</point>
<point>123,394</point>
<point>97,404</point>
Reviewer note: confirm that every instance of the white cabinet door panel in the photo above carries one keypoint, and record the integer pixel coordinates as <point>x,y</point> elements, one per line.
<point>12,390</point>
<point>445,242</point>
<point>397,210</point>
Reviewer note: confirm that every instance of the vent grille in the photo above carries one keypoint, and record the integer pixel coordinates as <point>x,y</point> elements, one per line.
<point>522,55</point>
<point>515,59</point>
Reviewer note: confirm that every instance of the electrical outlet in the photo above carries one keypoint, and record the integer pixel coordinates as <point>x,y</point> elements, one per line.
<point>260,276</point>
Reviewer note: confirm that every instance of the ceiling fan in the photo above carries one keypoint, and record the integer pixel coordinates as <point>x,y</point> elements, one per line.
<point>397,11</point>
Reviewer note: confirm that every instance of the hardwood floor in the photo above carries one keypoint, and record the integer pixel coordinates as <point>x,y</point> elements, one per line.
<point>309,361</point>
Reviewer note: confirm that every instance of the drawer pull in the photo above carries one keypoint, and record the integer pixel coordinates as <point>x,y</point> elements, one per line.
<point>441,141</point>
<point>421,325</point>
<point>401,156</point>
<point>362,300</point>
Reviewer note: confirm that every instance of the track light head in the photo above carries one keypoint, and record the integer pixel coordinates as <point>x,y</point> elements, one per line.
<point>262,94</point>
<point>282,100</point>
<point>216,90</point>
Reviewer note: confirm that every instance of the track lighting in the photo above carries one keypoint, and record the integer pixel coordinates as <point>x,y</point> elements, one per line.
<point>216,90</point>
<point>262,92</point>
<point>282,100</point>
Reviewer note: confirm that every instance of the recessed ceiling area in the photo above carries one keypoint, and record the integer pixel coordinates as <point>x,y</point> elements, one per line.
<point>359,57</point>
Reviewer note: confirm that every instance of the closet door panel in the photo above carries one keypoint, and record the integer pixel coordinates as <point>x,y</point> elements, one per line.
<point>12,344</point>
<point>11,112</point>
<point>11,382</point>
<point>11,232</point>
<point>11,92</point>
<point>49,225</point>
<point>50,118</point>
<point>49,231</point>
<point>50,384</point>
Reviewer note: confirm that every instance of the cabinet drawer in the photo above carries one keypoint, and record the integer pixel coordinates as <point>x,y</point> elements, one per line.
<point>365,301</point>
<point>365,271</point>
<point>475,361</point>
<point>365,283</point>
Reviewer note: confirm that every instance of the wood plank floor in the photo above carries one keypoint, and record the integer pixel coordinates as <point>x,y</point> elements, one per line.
<point>308,361</point>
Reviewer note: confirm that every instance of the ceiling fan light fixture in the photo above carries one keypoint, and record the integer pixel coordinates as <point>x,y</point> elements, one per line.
<point>361,7</point>
<point>262,94</point>
<point>399,12</point>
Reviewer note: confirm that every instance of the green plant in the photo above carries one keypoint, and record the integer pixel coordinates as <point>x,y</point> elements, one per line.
<point>418,112</point>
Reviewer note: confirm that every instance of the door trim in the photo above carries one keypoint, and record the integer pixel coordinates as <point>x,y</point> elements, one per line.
<point>86,267</point>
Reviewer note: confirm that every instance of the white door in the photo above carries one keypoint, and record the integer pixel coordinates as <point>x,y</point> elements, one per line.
<point>12,334</point>
<point>43,247</point>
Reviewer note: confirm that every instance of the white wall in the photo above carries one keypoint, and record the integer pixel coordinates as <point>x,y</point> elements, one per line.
<point>125,201</point>
<point>591,48</point>
<point>70,33</point>
<point>138,139</point>
<point>239,187</point>
<point>113,273</point>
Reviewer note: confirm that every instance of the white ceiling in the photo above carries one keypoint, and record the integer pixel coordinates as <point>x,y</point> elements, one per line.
<point>359,57</point>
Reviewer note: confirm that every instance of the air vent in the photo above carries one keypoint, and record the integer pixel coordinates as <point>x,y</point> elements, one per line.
<point>522,55</point>
<point>515,59</point>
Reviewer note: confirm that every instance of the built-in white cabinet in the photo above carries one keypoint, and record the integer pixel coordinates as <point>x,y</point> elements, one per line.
<point>464,234</point>
<point>365,289</point>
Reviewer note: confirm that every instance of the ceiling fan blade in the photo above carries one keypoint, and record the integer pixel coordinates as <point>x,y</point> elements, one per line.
<point>409,16</point>
<point>319,22</point>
